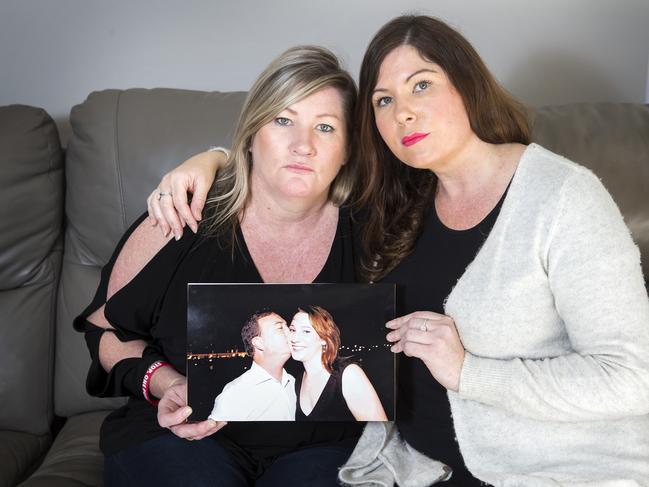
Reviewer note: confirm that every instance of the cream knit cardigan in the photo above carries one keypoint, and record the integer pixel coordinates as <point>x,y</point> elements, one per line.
<point>554,316</point>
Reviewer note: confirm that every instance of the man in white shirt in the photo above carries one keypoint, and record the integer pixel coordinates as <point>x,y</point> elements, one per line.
<point>265,392</point>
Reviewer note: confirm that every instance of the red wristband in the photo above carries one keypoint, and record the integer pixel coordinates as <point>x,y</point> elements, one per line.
<point>146,382</point>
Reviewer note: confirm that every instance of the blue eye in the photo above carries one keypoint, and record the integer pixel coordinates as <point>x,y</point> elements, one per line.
<point>383,101</point>
<point>283,121</point>
<point>421,86</point>
<point>324,127</point>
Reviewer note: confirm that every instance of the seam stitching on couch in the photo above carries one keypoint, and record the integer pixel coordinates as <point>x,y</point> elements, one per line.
<point>117,163</point>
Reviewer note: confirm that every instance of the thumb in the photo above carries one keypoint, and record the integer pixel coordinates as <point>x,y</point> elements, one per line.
<point>168,417</point>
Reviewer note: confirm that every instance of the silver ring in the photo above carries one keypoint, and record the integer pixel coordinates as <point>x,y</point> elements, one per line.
<point>423,327</point>
<point>161,194</point>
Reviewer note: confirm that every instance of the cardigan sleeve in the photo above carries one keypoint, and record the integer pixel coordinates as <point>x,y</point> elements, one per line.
<point>594,274</point>
<point>132,311</point>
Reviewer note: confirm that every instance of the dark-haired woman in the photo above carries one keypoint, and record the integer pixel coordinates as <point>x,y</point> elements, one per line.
<point>524,310</point>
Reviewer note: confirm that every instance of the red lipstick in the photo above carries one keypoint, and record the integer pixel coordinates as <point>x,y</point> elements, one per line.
<point>413,138</point>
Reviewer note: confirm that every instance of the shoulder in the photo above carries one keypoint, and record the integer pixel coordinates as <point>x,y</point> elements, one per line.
<point>577,189</point>
<point>241,381</point>
<point>541,170</point>
<point>352,372</point>
<point>547,185</point>
<point>142,243</point>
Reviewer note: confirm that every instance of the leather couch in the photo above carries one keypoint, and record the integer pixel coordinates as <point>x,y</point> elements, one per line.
<point>61,214</point>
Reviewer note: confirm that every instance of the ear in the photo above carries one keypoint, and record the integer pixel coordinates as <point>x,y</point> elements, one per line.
<point>258,343</point>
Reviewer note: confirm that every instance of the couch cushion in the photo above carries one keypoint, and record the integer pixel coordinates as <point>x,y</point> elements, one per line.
<point>612,139</point>
<point>31,215</point>
<point>122,143</point>
<point>20,454</point>
<point>74,459</point>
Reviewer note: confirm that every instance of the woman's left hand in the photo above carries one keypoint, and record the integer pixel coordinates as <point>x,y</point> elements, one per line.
<point>433,338</point>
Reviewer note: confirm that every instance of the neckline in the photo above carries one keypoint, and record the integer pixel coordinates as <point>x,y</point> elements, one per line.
<point>476,227</point>
<point>505,209</point>
<point>299,395</point>
<point>241,242</point>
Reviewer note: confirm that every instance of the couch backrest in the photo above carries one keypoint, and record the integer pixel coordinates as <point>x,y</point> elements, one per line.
<point>121,145</point>
<point>612,139</point>
<point>31,219</point>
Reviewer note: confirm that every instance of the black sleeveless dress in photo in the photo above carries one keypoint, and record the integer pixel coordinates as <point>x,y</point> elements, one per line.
<point>331,405</point>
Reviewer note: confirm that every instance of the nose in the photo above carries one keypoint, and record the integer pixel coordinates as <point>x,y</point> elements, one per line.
<point>404,114</point>
<point>302,145</point>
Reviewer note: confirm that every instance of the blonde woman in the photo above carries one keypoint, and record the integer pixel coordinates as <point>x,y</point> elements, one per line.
<point>281,189</point>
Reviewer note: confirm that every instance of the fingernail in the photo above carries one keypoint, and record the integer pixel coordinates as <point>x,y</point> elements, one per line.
<point>194,227</point>
<point>188,411</point>
<point>177,236</point>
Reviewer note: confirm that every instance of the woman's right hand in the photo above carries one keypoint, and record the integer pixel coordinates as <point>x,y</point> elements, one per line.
<point>168,204</point>
<point>173,412</point>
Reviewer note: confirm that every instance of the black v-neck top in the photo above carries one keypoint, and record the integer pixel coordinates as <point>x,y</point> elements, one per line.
<point>424,280</point>
<point>153,307</point>
<point>331,405</point>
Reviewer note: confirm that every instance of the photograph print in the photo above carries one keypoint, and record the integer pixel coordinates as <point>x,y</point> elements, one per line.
<point>290,352</point>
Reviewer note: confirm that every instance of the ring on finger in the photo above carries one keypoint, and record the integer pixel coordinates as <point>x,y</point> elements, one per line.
<point>423,327</point>
<point>163,193</point>
<point>190,438</point>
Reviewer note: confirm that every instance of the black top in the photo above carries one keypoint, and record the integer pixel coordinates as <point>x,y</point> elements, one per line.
<point>331,405</point>
<point>153,307</point>
<point>424,280</point>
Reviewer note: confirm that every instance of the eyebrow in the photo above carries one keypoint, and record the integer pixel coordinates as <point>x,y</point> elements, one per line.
<point>321,115</point>
<point>424,70</point>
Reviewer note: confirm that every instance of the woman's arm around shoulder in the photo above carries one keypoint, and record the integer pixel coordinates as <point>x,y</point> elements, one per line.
<point>168,204</point>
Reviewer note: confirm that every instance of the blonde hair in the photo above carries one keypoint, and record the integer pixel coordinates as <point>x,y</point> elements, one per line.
<point>291,77</point>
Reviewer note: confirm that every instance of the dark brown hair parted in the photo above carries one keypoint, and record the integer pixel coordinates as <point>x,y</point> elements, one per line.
<point>324,325</point>
<point>395,194</point>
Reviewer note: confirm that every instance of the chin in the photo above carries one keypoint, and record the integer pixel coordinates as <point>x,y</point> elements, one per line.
<point>297,356</point>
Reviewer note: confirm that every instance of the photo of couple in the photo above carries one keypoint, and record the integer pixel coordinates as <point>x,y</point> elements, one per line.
<point>289,362</point>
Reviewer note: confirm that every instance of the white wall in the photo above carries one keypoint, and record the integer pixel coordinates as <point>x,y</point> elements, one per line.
<point>53,53</point>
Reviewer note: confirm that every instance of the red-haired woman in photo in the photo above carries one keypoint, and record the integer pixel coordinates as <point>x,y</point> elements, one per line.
<point>331,388</point>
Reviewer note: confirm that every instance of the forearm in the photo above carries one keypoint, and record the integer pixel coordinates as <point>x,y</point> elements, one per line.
<point>163,379</point>
<point>112,350</point>
<point>571,387</point>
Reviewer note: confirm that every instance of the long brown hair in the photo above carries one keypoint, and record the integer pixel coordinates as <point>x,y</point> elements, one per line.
<point>396,195</point>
